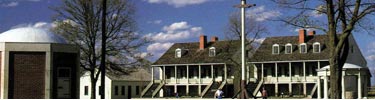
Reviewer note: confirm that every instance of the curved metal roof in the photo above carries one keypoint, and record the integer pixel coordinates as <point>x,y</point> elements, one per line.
<point>30,34</point>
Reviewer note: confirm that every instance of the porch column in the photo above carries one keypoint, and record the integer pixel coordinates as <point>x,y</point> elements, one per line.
<point>152,73</point>
<point>212,72</point>
<point>290,71</point>
<point>200,81</point>
<point>290,89</point>
<point>343,85</point>
<point>262,70</point>
<point>304,74</point>
<point>277,76</point>
<point>318,64</point>
<point>325,86</point>
<point>277,81</point>
<point>175,75</point>
<point>305,80</point>
<point>163,76</point>
<point>319,90</point>
<point>304,89</point>
<point>187,77</point>
<point>187,73</point>
<point>359,85</point>
<point>225,71</point>
<point>290,77</point>
<point>276,89</point>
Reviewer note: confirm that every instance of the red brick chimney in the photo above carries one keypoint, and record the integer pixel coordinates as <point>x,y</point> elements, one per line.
<point>302,36</point>
<point>214,39</point>
<point>202,42</point>
<point>311,33</point>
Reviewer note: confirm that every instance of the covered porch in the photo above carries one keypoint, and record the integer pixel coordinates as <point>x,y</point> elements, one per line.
<point>354,83</point>
<point>189,79</point>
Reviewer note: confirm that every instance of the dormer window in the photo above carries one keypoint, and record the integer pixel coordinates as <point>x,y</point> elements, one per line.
<point>316,47</point>
<point>288,48</point>
<point>275,49</point>
<point>178,53</point>
<point>212,52</point>
<point>303,48</point>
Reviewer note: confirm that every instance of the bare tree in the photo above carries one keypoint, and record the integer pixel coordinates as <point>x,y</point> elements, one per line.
<point>342,16</point>
<point>253,30</point>
<point>79,21</point>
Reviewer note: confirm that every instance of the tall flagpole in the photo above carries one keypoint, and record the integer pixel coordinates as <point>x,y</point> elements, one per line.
<point>243,5</point>
<point>102,61</point>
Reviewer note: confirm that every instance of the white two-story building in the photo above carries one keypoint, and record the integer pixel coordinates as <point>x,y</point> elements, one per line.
<point>298,66</point>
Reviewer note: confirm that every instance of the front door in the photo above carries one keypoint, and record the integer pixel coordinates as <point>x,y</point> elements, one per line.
<point>63,83</point>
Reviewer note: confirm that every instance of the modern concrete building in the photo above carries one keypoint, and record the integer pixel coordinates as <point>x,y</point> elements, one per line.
<point>37,64</point>
<point>197,69</point>
<point>117,86</point>
<point>299,66</point>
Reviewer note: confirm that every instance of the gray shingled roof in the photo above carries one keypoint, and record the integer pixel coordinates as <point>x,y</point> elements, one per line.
<point>264,52</point>
<point>225,50</point>
<point>137,74</point>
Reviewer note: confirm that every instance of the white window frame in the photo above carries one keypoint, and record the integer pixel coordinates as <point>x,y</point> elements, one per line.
<point>286,48</point>
<point>305,47</point>
<point>178,53</point>
<point>212,52</point>
<point>319,47</point>
<point>273,49</point>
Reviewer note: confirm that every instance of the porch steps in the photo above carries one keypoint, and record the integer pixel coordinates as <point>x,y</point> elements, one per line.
<point>215,86</point>
<point>204,92</point>
<point>149,93</point>
<point>212,90</point>
<point>257,89</point>
<point>156,91</point>
<point>146,89</point>
<point>312,91</point>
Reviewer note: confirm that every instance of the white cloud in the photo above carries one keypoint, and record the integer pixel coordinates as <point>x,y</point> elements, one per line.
<point>176,26</point>
<point>179,3</point>
<point>371,57</point>
<point>44,25</point>
<point>157,22</point>
<point>157,49</point>
<point>176,31</point>
<point>159,46</point>
<point>10,4</point>
<point>370,52</point>
<point>14,3</point>
<point>261,14</point>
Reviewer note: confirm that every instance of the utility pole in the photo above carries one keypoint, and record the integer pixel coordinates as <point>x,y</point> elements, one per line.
<point>102,60</point>
<point>243,5</point>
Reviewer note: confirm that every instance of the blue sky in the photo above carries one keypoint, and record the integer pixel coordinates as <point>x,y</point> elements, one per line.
<point>171,21</point>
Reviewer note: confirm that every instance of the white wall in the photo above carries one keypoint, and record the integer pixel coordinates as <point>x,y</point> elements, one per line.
<point>126,84</point>
<point>110,88</point>
<point>86,81</point>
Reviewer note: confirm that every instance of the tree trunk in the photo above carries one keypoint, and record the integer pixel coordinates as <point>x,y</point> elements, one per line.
<point>93,86</point>
<point>335,79</point>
